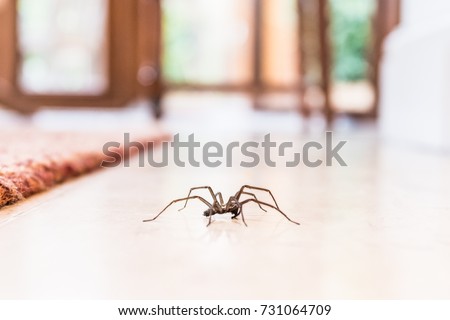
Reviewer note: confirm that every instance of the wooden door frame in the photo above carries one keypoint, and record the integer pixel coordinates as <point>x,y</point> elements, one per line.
<point>386,20</point>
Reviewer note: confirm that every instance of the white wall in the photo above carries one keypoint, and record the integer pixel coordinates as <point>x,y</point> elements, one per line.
<point>424,11</point>
<point>415,76</point>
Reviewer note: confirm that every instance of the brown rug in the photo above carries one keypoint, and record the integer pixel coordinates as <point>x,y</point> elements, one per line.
<point>32,161</point>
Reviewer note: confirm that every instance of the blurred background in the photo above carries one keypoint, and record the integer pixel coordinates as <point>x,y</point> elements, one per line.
<point>317,61</point>
<point>311,57</point>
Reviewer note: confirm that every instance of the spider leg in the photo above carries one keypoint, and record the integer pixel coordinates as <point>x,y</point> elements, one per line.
<point>254,196</point>
<point>196,188</point>
<point>241,211</point>
<point>271,206</point>
<point>209,220</point>
<point>241,191</point>
<point>177,200</point>
<point>227,207</point>
<point>219,194</point>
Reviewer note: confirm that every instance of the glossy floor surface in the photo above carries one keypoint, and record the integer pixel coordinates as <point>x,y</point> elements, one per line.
<point>376,229</point>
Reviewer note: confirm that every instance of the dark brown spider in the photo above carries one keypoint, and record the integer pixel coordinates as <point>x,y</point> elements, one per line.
<point>233,206</point>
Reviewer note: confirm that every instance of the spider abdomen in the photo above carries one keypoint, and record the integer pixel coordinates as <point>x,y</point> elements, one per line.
<point>209,212</point>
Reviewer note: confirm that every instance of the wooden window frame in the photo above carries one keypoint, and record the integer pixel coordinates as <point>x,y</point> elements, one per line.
<point>134,34</point>
<point>256,84</point>
<point>126,52</point>
<point>387,17</point>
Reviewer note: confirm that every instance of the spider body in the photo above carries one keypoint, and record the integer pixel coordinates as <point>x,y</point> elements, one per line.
<point>233,205</point>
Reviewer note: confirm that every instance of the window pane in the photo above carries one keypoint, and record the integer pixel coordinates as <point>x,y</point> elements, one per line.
<point>207,41</point>
<point>63,46</point>
<point>352,41</point>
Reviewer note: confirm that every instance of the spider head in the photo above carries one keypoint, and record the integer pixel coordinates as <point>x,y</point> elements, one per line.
<point>208,212</point>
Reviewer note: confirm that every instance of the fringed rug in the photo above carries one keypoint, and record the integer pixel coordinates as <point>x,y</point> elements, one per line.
<point>33,161</point>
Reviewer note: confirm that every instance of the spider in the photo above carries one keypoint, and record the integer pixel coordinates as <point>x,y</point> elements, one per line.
<point>233,206</point>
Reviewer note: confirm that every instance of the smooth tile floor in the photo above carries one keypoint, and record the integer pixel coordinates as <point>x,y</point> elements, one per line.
<point>376,229</point>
